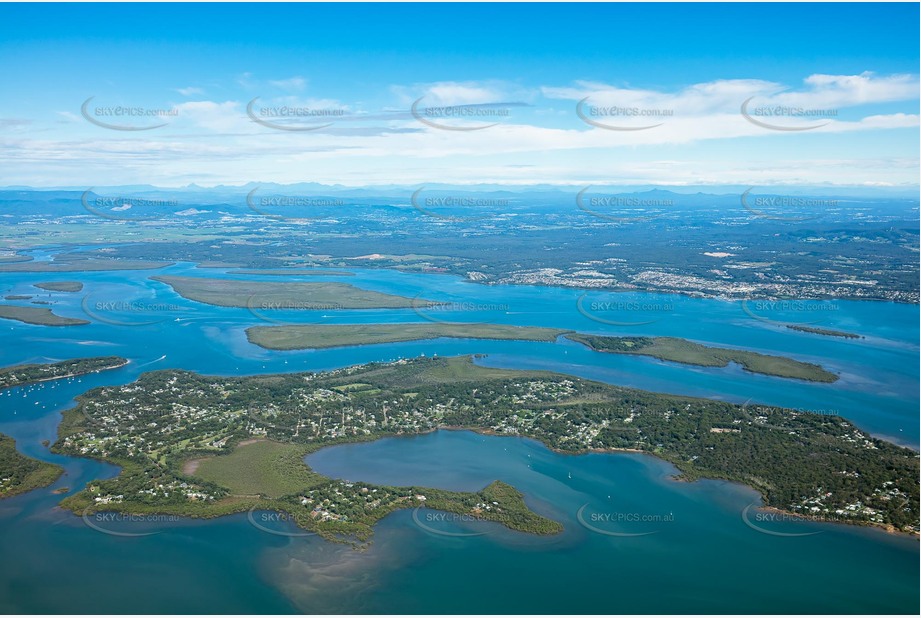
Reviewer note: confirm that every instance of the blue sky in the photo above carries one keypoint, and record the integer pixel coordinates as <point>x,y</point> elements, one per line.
<point>832,91</point>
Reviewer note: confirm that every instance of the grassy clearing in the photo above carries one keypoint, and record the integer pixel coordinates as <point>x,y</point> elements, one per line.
<point>266,468</point>
<point>297,337</point>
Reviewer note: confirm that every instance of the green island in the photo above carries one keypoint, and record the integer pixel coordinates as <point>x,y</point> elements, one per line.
<point>41,316</point>
<point>823,331</point>
<point>320,336</point>
<point>19,474</point>
<point>309,336</point>
<point>17,297</point>
<point>204,446</point>
<point>21,375</point>
<point>60,286</point>
<point>269,295</point>
<point>293,271</point>
<point>683,351</point>
<point>80,265</point>
<point>9,259</point>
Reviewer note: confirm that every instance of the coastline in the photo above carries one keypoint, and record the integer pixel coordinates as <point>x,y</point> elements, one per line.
<point>65,376</point>
<point>235,504</point>
<point>679,478</point>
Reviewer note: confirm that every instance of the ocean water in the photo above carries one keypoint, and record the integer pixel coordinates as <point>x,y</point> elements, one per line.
<point>704,559</point>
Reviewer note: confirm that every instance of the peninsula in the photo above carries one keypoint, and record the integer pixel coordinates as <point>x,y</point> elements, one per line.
<point>23,375</point>
<point>19,474</point>
<point>187,443</point>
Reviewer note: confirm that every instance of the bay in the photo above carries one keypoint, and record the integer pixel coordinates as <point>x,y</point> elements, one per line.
<point>705,560</point>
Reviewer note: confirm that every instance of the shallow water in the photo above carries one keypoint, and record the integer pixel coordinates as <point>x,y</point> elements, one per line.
<point>705,559</point>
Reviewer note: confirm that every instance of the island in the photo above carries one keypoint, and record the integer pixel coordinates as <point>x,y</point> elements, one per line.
<point>823,331</point>
<point>310,336</point>
<point>269,295</point>
<point>80,265</point>
<point>41,316</point>
<point>284,272</point>
<point>683,351</point>
<point>205,446</point>
<point>20,474</point>
<point>60,286</point>
<point>23,375</point>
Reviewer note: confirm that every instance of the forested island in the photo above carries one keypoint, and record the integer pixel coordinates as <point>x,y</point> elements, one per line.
<point>823,331</point>
<point>690,353</point>
<point>21,375</point>
<point>60,286</point>
<point>40,316</point>
<point>19,474</point>
<point>319,336</point>
<point>274,295</point>
<point>205,446</point>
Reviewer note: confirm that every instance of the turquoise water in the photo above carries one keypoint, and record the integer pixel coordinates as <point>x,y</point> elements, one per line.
<point>699,557</point>
<point>705,560</point>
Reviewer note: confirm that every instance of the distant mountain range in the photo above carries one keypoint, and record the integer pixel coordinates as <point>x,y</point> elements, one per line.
<point>132,202</point>
<point>314,188</point>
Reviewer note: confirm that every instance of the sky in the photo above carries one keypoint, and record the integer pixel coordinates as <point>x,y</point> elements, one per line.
<point>371,94</point>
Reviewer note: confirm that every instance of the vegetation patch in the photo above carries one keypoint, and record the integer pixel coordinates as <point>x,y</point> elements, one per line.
<point>60,286</point>
<point>256,429</point>
<point>823,331</point>
<point>19,474</point>
<point>690,353</point>
<point>302,336</point>
<point>262,468</point>
<point>273,295</point>
<point>41,316</point>
<point>20,375</point>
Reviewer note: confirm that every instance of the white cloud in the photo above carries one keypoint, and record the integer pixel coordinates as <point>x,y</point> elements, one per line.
<point>216,141</point>
<point>245,81</point>
<point>294,84</point>
<point>217,117</point>
<point>462,93</point>
<point>821,92</point>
